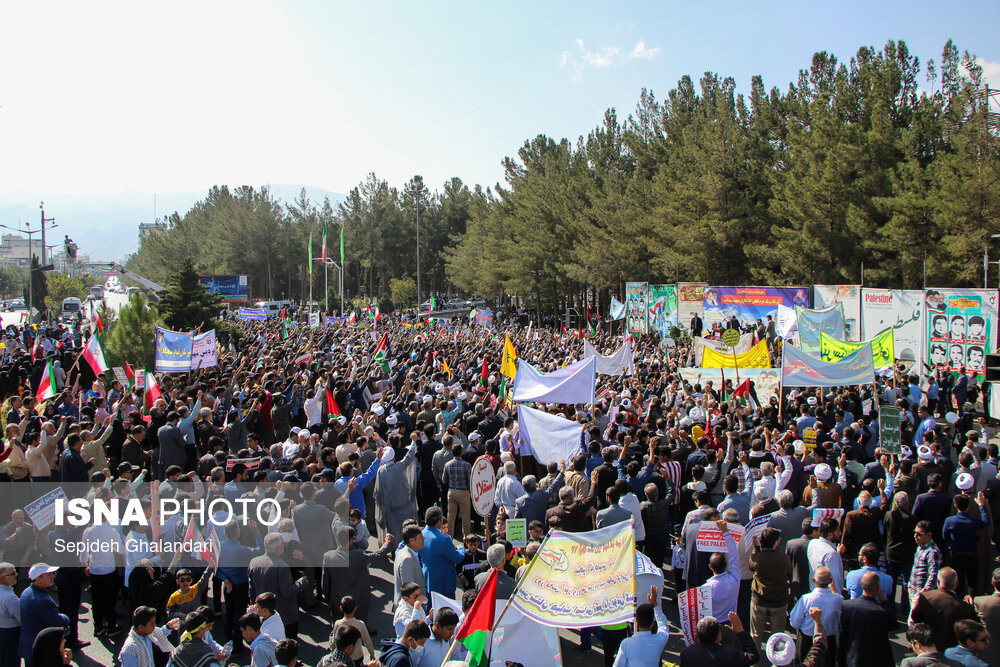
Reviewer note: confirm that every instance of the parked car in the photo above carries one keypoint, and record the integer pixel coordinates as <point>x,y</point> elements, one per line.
<point>456,303</point>
<point>477,303</point>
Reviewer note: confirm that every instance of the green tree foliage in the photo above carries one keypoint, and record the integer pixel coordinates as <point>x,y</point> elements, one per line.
<point>185,303</point>
<point>132,337</point>
<point>852,164</point>
<point>62,287</point>
<point>13,281</point>
<point>403,291</point>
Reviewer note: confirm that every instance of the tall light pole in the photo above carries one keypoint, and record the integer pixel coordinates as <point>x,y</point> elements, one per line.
<point>27,230</point>
<point>41,207</point>
<point>416,198</point>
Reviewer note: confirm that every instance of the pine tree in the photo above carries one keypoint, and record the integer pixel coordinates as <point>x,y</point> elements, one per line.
<point>132,336</point>
<point>186,303</point>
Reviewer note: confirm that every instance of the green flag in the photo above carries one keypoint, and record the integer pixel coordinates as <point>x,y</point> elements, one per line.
<point>310,253</point>
<point>342,244</point>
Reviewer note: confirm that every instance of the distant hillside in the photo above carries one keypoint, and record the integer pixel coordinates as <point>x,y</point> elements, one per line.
<point>107,227</point>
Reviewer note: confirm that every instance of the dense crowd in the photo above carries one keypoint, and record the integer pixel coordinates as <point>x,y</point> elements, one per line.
<point>372,456</point>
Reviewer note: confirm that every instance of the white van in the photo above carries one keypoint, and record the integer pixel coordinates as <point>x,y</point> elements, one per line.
<point>96,293</point>
<point>273,308</point>
<point>70,308</point>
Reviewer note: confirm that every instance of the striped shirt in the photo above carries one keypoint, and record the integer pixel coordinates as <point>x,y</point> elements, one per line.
<point>926,563</point>
<point>673,475</point>
<point>457,474</point>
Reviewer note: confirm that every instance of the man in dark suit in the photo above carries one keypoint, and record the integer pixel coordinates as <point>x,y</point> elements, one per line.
<point>314,525</point>
<point>172,448</point>
<point>798,551</point>
<point>920,637</point>
<point>270,574</point>
<point>941,608</point>
<point>533,505</point>
<point>352,578</point>
<point>708,651</point>
<point>696,325</point>
<point>988,607</point>
<point>865,624</point>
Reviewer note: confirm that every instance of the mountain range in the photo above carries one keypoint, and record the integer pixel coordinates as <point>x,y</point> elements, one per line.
<point>106,227</point>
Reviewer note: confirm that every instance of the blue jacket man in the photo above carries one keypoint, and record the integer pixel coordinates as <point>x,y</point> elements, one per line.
<point>38,609</point>
<point>439,555</point>
<point>357,494</point>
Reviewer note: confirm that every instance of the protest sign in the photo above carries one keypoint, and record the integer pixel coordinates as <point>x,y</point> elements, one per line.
<point>482,483</point>
<point>812,322</point>
<point>120,375</point>
<point>799,369</point>
<point>636,308</point>
<point>899,310</point>
<point>252,314</point>
<point>139,378</point>
<point>251,464</point>
<point>809,438</point>
<point>517,532</point>
<point>756,527</point>
<point>581,580</point>
<point>749,304</point>
<point>756,357</point>
<point>314,319</point>
<point>42,511</point>
<point>961,328</point>
<point>173,351</point>
<point>883,348</point>
<point>825,296</point>
<point>889,432</point>
<point>744,344</point>
<point>829,513</point>
<point>711,539</point>
<point>203,351</point>
<point>693,604</point>
<point>335,320</point>
<point>662,305</point>
<point>484,317</point>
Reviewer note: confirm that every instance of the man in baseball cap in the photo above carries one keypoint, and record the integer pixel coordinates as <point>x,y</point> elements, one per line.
<point>38,609</point>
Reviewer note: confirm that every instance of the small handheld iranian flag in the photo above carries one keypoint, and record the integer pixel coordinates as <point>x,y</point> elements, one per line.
<point>152,392</point>
<point>332,409</point>
<point>353,319</point>
<point>380,353</point>
<point>94,355</point>
<point>47,385</point>
<point>479,622</point>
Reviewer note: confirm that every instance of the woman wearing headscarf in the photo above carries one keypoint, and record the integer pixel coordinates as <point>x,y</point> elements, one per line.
<point>49,649</point>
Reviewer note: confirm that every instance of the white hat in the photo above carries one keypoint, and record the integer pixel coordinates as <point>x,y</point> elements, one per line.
<point>906,451</point>
<point>781,649</point>
<point>295,430</point>
<point>824,472</point>
<point>462,396</point>
<point>925,453</point>
<point>811,401</point>
<point>378,409</point>
<point>626,404</point>
<point>38,569</point>
<point>391,420</point>
<point>474,436</point>
<point>341,419</point>
<point>438,387</point>
<point>965,481</point>
<point>627,393</point>
<point>800,446</point>
<point>697,414</point>
<point>951,418</point>
<point>686,422</point>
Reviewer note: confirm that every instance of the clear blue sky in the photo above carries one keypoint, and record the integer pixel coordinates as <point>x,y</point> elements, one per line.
<point>189,94</point>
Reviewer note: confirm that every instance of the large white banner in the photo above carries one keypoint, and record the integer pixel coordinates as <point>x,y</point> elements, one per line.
<point>903,310</point>
<point>825,296</point>
<point>550,438</point>
<point>614,363</point>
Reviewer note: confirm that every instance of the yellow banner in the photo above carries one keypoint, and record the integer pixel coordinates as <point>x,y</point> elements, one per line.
<point>883,348</point>
<point>508,362</point>
<point>581,580</point>
<point>755,357</point>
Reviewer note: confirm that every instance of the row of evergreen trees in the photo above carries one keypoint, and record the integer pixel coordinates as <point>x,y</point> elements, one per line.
<point>857,164</point>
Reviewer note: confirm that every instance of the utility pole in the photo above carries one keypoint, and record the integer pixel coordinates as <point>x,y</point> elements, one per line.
<point>41,207</point>
<point>416,197</point>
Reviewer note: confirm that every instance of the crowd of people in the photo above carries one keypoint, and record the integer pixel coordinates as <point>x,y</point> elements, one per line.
<point>370,458</point>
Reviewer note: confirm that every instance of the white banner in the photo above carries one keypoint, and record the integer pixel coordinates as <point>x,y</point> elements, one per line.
<point>573,384</point>
<point>903,310</point>
<point>616,363</point>
<point>203,353</point>
<point>550,438</point>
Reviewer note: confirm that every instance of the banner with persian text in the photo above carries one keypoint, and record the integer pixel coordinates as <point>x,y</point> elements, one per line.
<point>749,304</point>
<point>901,310</point>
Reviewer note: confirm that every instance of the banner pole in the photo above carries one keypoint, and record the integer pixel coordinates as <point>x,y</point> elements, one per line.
<point>520,581</point>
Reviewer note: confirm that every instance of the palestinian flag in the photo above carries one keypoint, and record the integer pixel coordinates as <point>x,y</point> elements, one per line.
<point>284,315</point>
<point>380,353</point>
<point>284,331</point>
<point>47,385</point>
<point>130,374</point>
<point>195,536</point>
<point>478,623</point>
<point>332,409</point>
<point>430,308</point>
<point>93,353</point>
<point>152,392</point>
<point>353,319</point>
<point>484,374</point>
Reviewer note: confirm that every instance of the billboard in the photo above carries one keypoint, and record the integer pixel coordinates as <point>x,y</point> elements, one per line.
<point>690,302</point>
<point>961,328</point>
<point>825,296</point>
<point>229,287</point>
<point>637,305</point>
<point>901,310</point>
<point>750,304</point>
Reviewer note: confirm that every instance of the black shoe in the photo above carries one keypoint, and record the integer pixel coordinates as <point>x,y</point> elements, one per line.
<point>76,644</point>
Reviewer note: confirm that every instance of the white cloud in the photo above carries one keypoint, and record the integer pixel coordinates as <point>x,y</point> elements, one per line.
<point>605,56</point>
<point>641,51</point>
<point>991,72</point>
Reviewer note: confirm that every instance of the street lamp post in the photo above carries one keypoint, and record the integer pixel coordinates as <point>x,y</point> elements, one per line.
<point>41,207</point>
<point>31,254</point>
<point>416,201</point>
<point>326,282</point>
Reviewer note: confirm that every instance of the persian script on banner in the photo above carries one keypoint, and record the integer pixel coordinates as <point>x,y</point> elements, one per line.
<point>757,357</point>
<point>710,539</point>
<point>579,580</point>
<point>829,513</point>
<point>693,604</point>
<point>883,348</point>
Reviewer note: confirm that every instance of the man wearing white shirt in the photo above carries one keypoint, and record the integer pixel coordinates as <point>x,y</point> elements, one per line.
<point>630,502</point>
<point>823,552</point>
<point>724,585</point>
<point>103,546</point>
<point>509,489</point>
